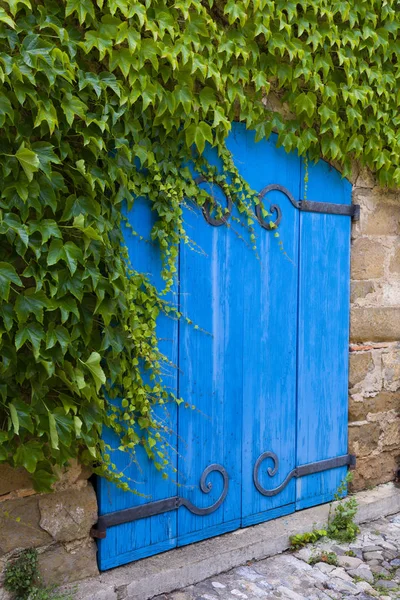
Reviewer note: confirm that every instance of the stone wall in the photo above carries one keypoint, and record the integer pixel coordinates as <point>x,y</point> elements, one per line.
<point>57,524</point>
<point>374,379</point>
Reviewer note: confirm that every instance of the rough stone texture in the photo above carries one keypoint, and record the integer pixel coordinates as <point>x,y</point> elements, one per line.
<point>361,363</point>
<point>24,532</point>
<point>374,368</point>
<point>57,524</point>
<point>61,563</point>
<point>394,265</point>
<point>363,435</point>
<point>367,259</point>
<point>13,479</point>
<point>68,516</point>
<point>375,324</point>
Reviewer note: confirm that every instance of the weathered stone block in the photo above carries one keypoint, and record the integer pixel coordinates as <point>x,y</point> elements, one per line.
<point>385,218</point>
<point>373,470</point>
<point>391,370</point>
<point>375,324</point>
<point>394,265</point>
<point>360,363</point>
<point>68,515</point>
<point>367,259</point>
<point>74,475</point>
<point>363,437</point>
<point>382,402</point>
<point>24,533</point>
<point>365,179</point>
<point>360,290</point>
<point>58,566</point>
<point>390,439</point>
<point>13,479</point>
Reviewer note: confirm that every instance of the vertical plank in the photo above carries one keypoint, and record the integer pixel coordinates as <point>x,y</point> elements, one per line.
<point>210,374</point>
<point>131,541</point>
<point>270,335</point>
<point>323,335</point>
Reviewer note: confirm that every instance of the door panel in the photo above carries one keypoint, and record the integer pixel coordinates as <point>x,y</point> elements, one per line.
<point>210,374</point>
<point>323,336</point>
<point>270,336</point>
<point>259,357</point>
<point>151,535</point>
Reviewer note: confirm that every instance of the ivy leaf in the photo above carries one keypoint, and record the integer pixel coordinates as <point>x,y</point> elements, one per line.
<point>7,314</point>
<point>306,103</point>
<point>47,112</point>
<point>57,334</point>
<point>28,455</point>
<point>199,134</point>
<point>5,109</point>
<point>64,426</point>
<point>47,228</point>
<point>72,106</point>
<point>31,332</point>
<point>81,7</point>
<point>53,432</point>
<point>13,4</point>
<point>8,275</point>
<point>56,252</point>
<point>68,403</point>
<point>68,305</point>
<point>93,364</point>
<point>88,231</point>
<point>31,302</point>
<point>72,255</point>
<point>34,48</point>
<point>28,160</point>
<point>5,18</point>
<point>14,418</point>
<point>78,426</point>
<point>207,98</point>
<point>23,411</point>
<point>43,480</point>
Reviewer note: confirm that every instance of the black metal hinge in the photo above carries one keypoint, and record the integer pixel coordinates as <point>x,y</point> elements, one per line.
<point>158,507</point>
<point>309,469</point>
<point>349,210</point>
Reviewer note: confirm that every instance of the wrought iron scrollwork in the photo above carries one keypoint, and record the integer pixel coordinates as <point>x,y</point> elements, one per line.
<point>274,207</point>
<point>308,469</point>
<point>161,506</point>
<point>206,488</point>
<point>208,206</point>
<point>352,210</point>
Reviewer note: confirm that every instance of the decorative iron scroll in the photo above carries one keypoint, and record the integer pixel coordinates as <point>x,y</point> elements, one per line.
<point>309,469</point>
<point>208,206</point>
<point>348,210</point>
<point>161,506</point>
<point>274,207</point>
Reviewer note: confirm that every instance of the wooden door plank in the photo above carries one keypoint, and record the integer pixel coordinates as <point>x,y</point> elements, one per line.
<point>270,335</point>
<point>210,373</point>
<point>323,335</point>
<point>144,537</point>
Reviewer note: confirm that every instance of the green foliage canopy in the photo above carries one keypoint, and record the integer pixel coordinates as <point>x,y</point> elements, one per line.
<point>105,100</point>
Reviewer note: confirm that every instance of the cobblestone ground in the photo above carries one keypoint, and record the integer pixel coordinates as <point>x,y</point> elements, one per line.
<point>367,569</point>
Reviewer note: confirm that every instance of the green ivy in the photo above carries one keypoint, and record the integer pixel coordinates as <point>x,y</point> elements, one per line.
<point>103,101</point>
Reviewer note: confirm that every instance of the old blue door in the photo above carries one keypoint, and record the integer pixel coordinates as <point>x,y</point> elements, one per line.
<point>265,370</point>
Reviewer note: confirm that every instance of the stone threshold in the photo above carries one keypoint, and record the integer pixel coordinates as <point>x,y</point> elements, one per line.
<point>188,565</point>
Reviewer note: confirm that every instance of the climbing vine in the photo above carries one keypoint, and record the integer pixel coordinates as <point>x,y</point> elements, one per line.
<point>102,101</point>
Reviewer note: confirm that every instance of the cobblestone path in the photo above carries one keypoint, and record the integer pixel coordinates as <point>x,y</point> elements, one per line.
<point>367,569</point>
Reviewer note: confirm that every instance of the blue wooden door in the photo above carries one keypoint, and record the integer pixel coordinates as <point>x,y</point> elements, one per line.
<point>261,366</point>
